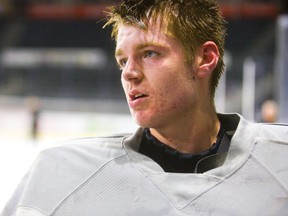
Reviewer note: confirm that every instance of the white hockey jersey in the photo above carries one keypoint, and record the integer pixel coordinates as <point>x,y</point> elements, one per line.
<point>107,176</point>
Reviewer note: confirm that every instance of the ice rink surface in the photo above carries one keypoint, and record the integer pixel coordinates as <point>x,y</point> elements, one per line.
<point>19,149</point>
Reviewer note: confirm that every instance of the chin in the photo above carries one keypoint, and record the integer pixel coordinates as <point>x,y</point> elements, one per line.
<point>142,121</point>
<point>147,120</point>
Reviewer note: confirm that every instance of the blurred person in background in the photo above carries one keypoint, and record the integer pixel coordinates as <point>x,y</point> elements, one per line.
<point>34,107</point>
<point>269,111</point>
<point>185,158</point>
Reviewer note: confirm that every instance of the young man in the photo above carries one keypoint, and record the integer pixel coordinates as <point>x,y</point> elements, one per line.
<point>185,159</point>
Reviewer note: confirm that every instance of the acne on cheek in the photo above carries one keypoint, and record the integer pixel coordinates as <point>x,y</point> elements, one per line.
<point>165,106</point>
<point>181,104</point>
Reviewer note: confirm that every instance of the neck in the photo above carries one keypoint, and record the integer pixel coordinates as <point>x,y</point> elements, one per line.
<point>194,135</point>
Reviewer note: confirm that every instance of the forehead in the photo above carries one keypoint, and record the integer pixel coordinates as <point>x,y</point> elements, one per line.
<point>153,32</point>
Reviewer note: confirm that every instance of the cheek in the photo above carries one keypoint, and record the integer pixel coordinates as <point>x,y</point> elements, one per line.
<point>173,98</point>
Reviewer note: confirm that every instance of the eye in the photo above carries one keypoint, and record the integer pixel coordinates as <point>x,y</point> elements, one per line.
<point>121,63</point>
<point>149,54</point>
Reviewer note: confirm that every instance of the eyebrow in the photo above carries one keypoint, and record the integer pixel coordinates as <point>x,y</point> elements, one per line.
<point>118,52</point>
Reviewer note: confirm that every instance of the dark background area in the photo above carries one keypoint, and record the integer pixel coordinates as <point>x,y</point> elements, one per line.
<point>251,32</point>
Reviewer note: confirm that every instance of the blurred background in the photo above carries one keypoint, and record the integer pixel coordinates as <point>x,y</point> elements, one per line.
<point>59,80</point>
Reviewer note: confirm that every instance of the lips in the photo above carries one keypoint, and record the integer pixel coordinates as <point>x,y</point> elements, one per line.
<point>136,98</point>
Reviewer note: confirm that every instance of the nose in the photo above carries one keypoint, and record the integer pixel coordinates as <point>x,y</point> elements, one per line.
<point>132,71</point>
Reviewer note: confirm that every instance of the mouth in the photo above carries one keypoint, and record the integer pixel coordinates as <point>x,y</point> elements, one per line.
<point>137,96</point>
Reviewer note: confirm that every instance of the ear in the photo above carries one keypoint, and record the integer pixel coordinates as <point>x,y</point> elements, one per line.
<point>208,56</point>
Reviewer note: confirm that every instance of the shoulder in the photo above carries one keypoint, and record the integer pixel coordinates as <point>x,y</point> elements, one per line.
<point>242,127</point>
<point>274,131</point>
<point>60,170</point>
<point>271,150</point>
<point>79,157</point>
<point>86,145</point>
<point>81,152</point>
<point>271,140</point>
<point>272,143</point>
